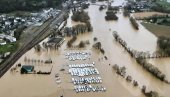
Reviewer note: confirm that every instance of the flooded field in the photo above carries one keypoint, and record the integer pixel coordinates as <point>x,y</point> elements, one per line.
<point>158,30</point>
<point>141,15</point>
<point>13,84</point>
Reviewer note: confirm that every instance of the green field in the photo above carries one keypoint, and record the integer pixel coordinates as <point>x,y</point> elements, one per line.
<point>158,30</point>
<point>10,47</point>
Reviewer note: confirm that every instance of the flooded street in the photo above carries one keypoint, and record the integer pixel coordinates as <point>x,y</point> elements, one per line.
<point>13,84</point>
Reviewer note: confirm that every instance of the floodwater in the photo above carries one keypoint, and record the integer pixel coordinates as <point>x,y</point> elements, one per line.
<point>16,85</point>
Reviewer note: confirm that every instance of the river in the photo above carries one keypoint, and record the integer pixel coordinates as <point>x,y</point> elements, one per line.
<point>16,85</point>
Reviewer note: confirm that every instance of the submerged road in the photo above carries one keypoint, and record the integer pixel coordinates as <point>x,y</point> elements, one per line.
<point>44,31</point>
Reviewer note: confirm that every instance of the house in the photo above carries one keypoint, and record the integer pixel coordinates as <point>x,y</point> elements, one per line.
<point>2,42</point>
<point>7,23</point>
<point>27,69</point>
<point>7,54</point>
<point>10,38</point>
<point>55,41</point>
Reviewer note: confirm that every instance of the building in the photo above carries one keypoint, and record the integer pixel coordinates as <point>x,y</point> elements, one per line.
<point>10,38</point>
<point>55,41</point>
<point>2,42</point>
<point>6,54</point>
<point>27,69</point>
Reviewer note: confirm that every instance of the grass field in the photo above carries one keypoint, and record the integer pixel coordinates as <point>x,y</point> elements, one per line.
<point>10,47</point>
<point>142,15</point>
<point>157,30</point>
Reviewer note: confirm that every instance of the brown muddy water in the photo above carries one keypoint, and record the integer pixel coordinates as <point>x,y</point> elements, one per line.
<point>32,85</point>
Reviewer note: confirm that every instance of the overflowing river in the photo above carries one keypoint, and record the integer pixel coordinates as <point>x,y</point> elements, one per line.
<point>16,85</point>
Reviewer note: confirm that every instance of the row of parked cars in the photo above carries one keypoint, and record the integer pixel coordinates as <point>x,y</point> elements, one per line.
<point>81,65</point>
<point>83,71</point>
<point>72,56</point>
<point>87,80</point>
<point>89,88</point>
<point>77,53</point>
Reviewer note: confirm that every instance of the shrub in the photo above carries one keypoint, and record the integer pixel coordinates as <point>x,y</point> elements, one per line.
<point>134,23</point>
<point>110,15</point>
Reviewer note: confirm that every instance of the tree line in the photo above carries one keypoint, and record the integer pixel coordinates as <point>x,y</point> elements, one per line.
<point>160,7</point>
<point>82,16</point>
<point>164,44</point>
<point>110,15</point>
<point>134,23</point>
<point>79,16</point>
<point>27,5</point>
<point>121,71</point>
<point>126,12</point>
<point>139,59</point>
<point>71,41</point>
<point>77,29</point>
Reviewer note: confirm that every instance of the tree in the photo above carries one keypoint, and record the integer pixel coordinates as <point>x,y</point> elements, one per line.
<point>85,6</point>
<point>27,5</point>
<point>80,15</point>
<point>95,38</point>
<point>81,44</point>
<point>97,45</point>
<point>17,32</point>
<point>101,7</point>
<point>89,27</point>
<point>134,23</point>
<point>143,88</point>
<point>50,3</point>
<point>38,48</point>
<point>102,50</point>
<point>110,15</point>
<point>126,12</point>
<point>116,8</point>
<point>69,43</point>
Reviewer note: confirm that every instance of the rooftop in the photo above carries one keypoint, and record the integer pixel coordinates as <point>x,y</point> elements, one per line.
<point>55,40</point>
<point>28,68</point>
<point>2,42</point>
